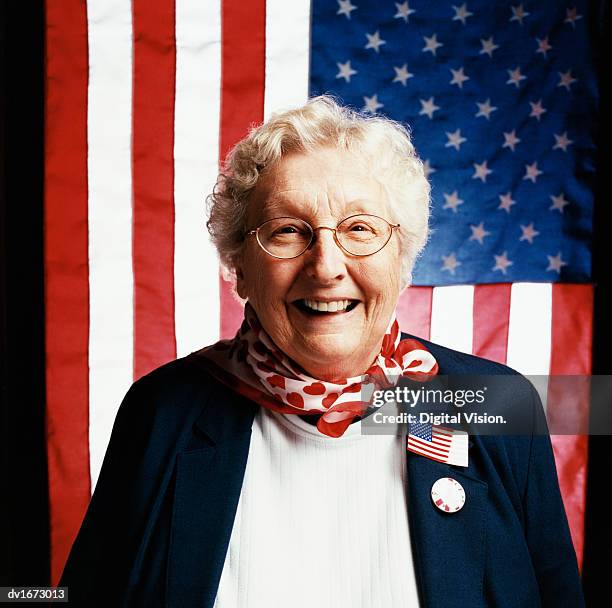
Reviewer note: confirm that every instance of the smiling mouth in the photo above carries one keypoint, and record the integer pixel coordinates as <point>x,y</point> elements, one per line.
<point>319,308</point>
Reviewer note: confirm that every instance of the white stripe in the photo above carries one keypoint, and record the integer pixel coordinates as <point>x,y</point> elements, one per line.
<point>287,54</point>
<point>530,333</point>
<point>452,317</point>
<point>109,125</point>
<point>196,154</point>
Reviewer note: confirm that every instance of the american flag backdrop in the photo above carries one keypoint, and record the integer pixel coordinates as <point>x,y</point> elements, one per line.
<point>143,100</point>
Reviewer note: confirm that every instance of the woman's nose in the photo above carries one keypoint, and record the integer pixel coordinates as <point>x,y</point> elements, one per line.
<point>324,260</point>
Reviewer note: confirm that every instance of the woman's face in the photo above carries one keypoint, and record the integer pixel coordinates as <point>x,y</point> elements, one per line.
<point>322,188</point>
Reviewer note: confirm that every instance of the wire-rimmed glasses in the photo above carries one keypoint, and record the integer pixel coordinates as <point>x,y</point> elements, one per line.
<point>289,237</point>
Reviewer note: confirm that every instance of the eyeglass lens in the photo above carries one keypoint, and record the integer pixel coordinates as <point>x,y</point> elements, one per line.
<point>288,237</point>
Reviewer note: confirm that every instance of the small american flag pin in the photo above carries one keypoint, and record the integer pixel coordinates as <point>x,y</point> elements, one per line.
<point>439,443</point>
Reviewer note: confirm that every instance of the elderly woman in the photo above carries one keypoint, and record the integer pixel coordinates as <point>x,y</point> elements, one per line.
<point>239,476</point>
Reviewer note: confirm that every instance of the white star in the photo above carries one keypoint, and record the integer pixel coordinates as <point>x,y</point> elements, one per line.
<point>488,46</point>
<point>485,109</point>
<point>555,263</point>
<point>502,262</point>
<point>571,16</point>
<point>479,233</point>
<point>458,77</point>
<point>562,141</point>
<point>454,139</point>
<point>452,201</point>
<point>372,104</point>
<point>532,172</point>
<point>428,169</point>
<point>506,201</point>
<point>481,171</point>
<point>529,233</point>
<point>511,140</point>
<point>558,202</point>
<point>518,14</point>
<point>345,7</point>
<point>450,262</point>
<point>374,41</point>
<point>402,74</point>
<point>543,46</point>
<point>346,71</point>
<point>537,109</point>
<point>566,79</point>
<point>515,77</point>
<point>431,44</point>
<point>403,11</point>
<point>428,107</point>
<point>461,13</point>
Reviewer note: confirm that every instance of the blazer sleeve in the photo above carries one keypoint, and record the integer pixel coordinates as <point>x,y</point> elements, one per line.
<point>98,568</point>
<point>546,527</point>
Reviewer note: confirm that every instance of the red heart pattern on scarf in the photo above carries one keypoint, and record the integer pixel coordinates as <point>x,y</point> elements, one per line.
<point>316,388</point>
<point>276,380</point>
<point>329,400</point>
<point>296,400</point>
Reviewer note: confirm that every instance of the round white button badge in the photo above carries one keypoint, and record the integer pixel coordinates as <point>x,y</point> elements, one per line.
<point>448,495</point>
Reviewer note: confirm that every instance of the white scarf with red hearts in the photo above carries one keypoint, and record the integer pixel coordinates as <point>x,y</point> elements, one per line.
<point>253,366</point>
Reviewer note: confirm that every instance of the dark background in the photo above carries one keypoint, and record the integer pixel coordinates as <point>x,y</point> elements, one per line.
<point>24,527</point>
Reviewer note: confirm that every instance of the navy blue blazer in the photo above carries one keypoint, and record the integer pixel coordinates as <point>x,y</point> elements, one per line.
<point>159,523</point>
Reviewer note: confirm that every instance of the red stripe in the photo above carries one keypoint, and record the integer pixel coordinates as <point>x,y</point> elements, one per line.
<point>153,183</point>
<point>243,27</point>
<point>572,321</point>
<point>442,441</point>
<point>572,335</point>
<point>416,451</point>
<point>66,272</point>
<point>414,311</point>
<point>491,321</point>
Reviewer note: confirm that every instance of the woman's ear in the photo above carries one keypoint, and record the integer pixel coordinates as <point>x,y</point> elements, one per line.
<point>240,282</point>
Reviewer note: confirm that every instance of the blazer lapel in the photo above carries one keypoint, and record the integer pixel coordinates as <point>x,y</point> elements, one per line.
<point>209,477</point>
<point>448,548</point>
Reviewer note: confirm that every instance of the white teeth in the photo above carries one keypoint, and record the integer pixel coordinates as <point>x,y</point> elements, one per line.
<point>327,306</point>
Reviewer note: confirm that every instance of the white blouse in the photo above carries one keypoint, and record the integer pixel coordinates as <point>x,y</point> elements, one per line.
<point>321,522</point>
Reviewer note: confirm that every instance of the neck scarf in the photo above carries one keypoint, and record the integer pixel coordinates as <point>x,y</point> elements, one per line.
<point>253,366</point>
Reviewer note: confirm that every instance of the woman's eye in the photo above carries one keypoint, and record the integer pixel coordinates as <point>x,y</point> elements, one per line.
<point>360,228</point>
<point>287,230</point>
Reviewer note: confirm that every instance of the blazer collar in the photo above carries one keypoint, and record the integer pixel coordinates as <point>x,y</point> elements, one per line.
<point>225,413</point>
<point>219,423</point>
<point>209,476</point>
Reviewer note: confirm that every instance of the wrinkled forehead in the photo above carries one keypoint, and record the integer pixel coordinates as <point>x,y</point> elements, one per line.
<point>326,184</point>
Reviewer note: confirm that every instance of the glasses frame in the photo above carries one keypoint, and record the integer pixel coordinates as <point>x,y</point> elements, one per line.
<point>255,232</point>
